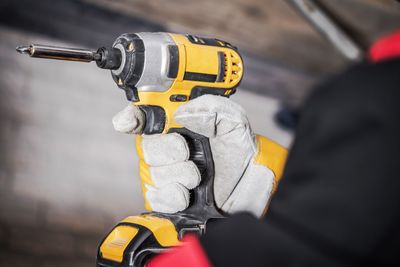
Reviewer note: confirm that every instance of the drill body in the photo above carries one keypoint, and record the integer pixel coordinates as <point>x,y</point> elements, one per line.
<point>166,70</point>
<point>159,72</point>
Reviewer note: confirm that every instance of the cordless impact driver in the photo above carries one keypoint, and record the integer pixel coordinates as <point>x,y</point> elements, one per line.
<point>159,72</point>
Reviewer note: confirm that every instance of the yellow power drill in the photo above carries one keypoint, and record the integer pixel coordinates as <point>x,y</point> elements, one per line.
<point>159,72</point>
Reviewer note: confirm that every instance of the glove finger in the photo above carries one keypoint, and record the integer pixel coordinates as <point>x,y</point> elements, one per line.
<point>168,199</point>
<point>184,173</point>
<point>130,120</point>
<point>164,149</point>
<point>211,115</point>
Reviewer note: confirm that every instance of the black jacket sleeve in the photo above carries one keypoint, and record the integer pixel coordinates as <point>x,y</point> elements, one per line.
<point>338,202</point>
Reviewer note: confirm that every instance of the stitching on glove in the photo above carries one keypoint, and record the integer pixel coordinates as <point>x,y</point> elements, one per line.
<point>249,159</point>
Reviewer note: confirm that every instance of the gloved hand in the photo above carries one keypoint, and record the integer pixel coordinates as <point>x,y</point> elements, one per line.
<point>247,167</point>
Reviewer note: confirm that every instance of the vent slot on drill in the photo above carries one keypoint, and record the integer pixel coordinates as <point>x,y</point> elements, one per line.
<point>232,69</point>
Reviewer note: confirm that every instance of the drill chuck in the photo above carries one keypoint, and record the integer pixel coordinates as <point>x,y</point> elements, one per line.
<point>110,58</point>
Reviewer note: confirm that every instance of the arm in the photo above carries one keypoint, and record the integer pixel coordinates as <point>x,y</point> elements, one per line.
<point>338,202</point>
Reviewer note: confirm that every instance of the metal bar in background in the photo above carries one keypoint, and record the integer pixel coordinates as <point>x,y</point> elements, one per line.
<point>328,27</point>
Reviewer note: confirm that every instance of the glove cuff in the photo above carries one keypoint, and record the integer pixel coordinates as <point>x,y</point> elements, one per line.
<point>271,155</point>
<point>144,172</point>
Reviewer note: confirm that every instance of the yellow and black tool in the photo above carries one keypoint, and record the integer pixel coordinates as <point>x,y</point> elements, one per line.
<point>159,72</point>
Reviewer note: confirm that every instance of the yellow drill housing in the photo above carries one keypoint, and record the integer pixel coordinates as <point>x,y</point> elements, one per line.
<point>205,67</point>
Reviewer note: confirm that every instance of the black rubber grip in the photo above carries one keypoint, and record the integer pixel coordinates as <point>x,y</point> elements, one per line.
<point>202,204</point>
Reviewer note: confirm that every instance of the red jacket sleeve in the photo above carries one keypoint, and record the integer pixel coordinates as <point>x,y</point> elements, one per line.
<point>190,253</point>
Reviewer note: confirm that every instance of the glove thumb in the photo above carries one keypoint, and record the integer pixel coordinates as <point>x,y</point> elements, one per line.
<point>130,120</point>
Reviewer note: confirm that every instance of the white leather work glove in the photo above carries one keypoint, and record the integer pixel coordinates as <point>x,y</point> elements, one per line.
<point>247,166</point>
